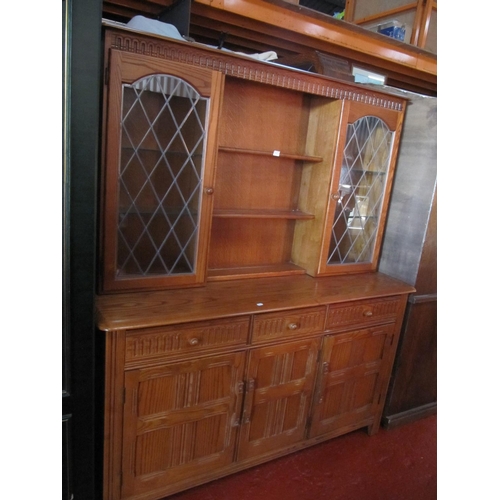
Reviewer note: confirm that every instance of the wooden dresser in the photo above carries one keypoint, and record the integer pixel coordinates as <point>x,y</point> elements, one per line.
<point>242,213</point>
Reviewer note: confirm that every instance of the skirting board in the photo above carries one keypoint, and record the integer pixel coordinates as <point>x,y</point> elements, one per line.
<point>405,417</point>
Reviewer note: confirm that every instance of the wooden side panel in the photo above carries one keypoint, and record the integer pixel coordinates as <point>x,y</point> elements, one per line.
<point>316,186</point>
<point>426,282</point>
<point>350,379</point>
<point>279,387</point>
<point>179,421</point>
<point>113,414</point>
<point>414,384</point>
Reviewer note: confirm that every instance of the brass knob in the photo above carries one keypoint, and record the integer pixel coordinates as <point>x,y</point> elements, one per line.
<point>194,341</point>
<point>293,326</point>
<point>368,313</point>
<point>209,190</point>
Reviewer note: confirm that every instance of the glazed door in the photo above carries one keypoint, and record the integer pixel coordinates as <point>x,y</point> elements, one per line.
<point>351,378</point>
<point>180,421</point>
<point>158,172</point>
<point>278,394</point>
<point>365,161</point>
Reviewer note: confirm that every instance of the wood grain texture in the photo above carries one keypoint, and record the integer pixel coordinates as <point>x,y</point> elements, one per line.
<point>351,378</point>
<point>362,312</point>
<point>145,345</point>
<point>287,325</point>
<point>176,423</point>
<point>316,182</point>
<point>277,400</point>
<point>207,380</point>
<point>238,297</point>
<point>179,421</point>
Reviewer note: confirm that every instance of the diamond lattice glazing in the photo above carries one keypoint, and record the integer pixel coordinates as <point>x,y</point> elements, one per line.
<point>163,141</point>
<point>363,177</point>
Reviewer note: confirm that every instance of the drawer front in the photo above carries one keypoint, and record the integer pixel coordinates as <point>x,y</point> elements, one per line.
<point>151,343</point>
<point>363,312</point>
<point>288,324</point>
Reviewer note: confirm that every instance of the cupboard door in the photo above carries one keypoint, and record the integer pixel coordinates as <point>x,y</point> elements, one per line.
<point>365,162</point>
<point>278,394</point>
<point>158,172</point>
<point>180,421</point>
<point>352,375</point>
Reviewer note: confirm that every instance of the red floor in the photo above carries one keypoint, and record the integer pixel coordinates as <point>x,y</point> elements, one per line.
<point>399,464</point>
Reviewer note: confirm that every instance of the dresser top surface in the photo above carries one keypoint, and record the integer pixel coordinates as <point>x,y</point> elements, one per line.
<point>237,298</point>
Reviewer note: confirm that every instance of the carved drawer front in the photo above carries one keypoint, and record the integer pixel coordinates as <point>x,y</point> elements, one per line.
<point>362,312</point>
<point>171,341</point>
<point>288,324</point>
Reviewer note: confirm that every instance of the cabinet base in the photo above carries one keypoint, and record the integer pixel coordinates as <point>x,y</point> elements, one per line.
<point>246,464</point>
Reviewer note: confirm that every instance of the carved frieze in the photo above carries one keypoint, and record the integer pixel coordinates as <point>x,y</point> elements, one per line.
<point>155,342</point>
<point>245,67</point>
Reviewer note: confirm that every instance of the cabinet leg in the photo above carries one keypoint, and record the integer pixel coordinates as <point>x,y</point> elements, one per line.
<point>373,429</point>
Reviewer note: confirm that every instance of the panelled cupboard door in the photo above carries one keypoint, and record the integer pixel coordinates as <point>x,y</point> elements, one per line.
<point>351,377</point>
<point>180,421</point>
<point>159,156</point>
<point>365,160</point>
<point>279,386</point>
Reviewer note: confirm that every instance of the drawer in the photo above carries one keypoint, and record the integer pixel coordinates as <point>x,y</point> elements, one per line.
<point>363,312</point>
<point>288,324</point>
<point>185,339</point>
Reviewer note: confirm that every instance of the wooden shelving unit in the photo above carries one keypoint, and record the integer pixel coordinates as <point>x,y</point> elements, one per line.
<point>292,30</point>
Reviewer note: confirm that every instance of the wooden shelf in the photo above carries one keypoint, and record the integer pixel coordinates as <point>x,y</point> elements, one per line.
<point>273,154</point>
<point>262,214</point>
<point>285,269</point>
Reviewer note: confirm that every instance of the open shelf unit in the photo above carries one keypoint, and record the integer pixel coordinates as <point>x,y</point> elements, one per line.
<point>219,167</point>
<point>268,150</point>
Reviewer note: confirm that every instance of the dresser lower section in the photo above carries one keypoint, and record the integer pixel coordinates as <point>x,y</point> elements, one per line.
<point>191,401</point>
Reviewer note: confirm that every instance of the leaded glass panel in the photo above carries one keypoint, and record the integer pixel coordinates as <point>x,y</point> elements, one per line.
<point>363,178</point>
<point>163,132</point>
